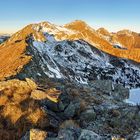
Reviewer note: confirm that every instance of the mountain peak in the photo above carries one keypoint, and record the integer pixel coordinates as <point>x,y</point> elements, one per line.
<point>125,31</point>
<point>76,25</point>
<point>103,31</point>
<point>78,22</point>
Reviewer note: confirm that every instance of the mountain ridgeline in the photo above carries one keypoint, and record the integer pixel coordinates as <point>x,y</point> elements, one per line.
<point>74,52</point>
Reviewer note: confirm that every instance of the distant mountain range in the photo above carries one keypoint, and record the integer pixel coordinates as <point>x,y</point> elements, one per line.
<point>75,52</point>
<point>4,37</point>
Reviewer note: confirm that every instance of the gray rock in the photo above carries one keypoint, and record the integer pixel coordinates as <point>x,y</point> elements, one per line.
<point>136,136</point>
<point>89,135</point>
<point>103,85</point>
<point>61,106</point>
<point>88,115</point>
<point>26,136</point>
<point>51,105</point>
<point>120,92</point>
<point>52,139</point>
<point>69,134</point>
<point>70,111</point>
<point>64,101</point>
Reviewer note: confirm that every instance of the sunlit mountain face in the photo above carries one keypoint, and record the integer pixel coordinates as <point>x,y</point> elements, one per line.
<point>75,52</point>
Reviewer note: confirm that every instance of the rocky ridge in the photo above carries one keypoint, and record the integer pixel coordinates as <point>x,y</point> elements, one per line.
<point>80,81</point>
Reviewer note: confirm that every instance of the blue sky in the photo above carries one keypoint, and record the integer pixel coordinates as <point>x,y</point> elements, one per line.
<point>111,14</point>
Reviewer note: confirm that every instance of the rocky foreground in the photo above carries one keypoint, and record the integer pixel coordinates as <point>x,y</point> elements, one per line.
<point>64,111</point>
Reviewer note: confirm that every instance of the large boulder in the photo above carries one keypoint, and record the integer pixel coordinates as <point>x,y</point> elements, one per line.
<point>120,92</point>
<point>117,91</point>
<point>72,109</point>
<point>103,85</point>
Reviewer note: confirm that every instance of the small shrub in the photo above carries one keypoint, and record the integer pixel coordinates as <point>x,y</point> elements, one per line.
<point>74,93</point>
<point>82,107</point>
<point>96,101</point>
<point>114,113</point>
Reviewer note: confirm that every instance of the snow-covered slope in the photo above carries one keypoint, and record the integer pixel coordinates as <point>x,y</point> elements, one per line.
<point>76,61</point>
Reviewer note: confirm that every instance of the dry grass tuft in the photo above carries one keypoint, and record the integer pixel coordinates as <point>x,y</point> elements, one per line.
<point>68,123</point>
<point>19,111</point>
<point>12,111</point>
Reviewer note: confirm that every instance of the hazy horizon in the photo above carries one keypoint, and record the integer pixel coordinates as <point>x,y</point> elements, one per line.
<point>112,15</point>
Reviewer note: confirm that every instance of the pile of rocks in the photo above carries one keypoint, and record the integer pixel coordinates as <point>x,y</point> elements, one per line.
<point>67,112</point>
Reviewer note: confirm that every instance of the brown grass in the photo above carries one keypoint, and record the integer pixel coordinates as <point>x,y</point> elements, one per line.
<point>82,107</point>
<point>68,124</point>
<point>20,112</point>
